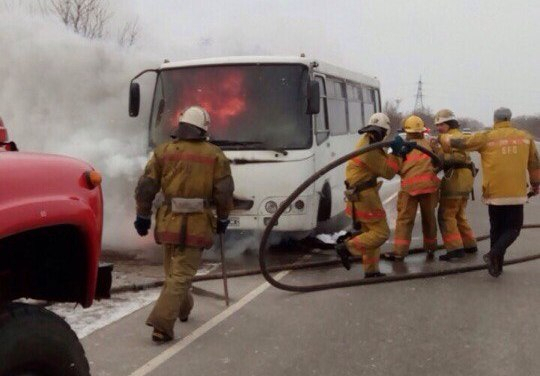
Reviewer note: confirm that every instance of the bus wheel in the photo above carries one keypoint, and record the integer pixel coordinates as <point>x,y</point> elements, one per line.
<point>37,342</point>
<point>325,204</point>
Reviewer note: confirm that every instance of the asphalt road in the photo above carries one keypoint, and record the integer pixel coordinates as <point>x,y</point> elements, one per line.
<point>466,324</point>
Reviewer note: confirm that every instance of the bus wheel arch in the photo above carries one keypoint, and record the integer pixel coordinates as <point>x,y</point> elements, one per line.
<point>324,211</point>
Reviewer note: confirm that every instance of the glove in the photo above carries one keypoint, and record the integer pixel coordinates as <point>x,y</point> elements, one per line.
<point>397,145</point>
<point>406,148</point>
<point>222,225</point>
<point>142,225</point>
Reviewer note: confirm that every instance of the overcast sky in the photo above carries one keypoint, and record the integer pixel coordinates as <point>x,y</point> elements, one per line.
<point>473,56</point>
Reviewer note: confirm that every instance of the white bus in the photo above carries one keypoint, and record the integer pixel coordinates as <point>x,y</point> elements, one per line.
<point>278,120</point>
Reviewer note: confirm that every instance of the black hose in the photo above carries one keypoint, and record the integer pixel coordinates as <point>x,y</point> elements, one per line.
<point>317,264</point>
<point>357,282</point>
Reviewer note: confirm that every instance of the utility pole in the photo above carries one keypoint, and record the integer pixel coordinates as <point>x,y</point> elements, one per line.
<point>419,104</point>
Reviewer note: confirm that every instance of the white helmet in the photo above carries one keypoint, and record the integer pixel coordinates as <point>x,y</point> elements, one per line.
<point>444,115</point>
<point>380,120</point>
<point>197,116</point>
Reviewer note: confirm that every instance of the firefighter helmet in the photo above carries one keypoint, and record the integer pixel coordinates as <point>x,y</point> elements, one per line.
<point>414,124</point>
<point>196,116</point>
<point>443,116</point>
<point>3,132</point>
<point>379,120</point>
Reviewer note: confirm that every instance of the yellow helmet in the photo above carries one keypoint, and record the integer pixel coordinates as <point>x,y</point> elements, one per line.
<point>414,124</point>
<point>442,116</point>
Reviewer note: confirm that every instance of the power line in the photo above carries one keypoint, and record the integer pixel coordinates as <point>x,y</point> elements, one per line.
<point>419,103</point>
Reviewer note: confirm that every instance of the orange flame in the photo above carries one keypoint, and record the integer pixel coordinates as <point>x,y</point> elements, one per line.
<point>221,93</point>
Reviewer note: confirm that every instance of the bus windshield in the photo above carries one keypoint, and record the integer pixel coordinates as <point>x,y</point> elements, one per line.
<point>250,106</point>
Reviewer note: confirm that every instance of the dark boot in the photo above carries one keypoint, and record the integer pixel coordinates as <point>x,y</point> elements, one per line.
<point>492,264</point>
<point>471,250</point>
<point>374,275</point>
<point>456,253</point>
<point>392,257</point>
<point>160,337</point>
<point>500,263</point>
<point>430,254</point>
<point>344,255</point>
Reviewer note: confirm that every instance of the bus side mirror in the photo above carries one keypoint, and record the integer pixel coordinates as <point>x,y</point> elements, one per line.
<point>313,98</point>
<point>134,99</point>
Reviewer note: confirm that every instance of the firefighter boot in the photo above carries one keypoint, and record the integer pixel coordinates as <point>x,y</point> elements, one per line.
<point>471,250</point>
<point>159,337</point>
<point>344,255</point>
<point>492,264</point>
<point>374,275</point>
<point>456,253</point>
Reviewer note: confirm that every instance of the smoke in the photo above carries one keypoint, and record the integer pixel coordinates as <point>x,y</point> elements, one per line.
<point>65,94</point>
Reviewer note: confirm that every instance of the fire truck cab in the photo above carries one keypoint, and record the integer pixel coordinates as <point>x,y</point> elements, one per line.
<point>51,218</point>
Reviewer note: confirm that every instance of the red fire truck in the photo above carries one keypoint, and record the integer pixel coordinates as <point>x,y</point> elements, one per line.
<point>51,218</point>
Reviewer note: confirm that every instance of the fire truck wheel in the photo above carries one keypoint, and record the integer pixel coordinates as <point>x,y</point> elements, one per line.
<point>37,342</point>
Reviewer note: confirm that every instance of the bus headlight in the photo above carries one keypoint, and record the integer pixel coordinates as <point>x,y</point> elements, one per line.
<point>299,205</point>
<point>271,207</point>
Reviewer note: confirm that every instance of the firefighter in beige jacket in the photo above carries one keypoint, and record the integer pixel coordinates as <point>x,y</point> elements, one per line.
<point>419,187</point>
<point>191,173</point>
<point>510,165</point>
<point>362,197</point>
<point>456,186</point>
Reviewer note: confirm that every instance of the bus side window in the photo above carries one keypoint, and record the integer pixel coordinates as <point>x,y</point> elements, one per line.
<point>355,109</point>
<point>377,97</point>
<point>368,102</point>
<point>321,119</point>
<point>337,109</point>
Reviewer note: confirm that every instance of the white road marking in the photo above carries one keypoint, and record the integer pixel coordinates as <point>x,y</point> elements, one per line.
<point>185,342</point>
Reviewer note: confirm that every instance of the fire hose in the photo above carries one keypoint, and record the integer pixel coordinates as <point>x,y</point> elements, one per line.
<point>357,282</point>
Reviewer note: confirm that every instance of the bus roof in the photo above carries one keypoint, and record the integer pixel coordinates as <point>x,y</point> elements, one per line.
<point>320,67</point>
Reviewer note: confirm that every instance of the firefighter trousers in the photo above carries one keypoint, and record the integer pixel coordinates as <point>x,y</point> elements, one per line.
<point>367,244</point>
<point>406,214</point>
<point>175,301</point>
<point>455,229</point>
<point>505,225</point>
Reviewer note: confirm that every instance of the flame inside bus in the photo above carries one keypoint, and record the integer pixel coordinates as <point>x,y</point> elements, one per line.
<point>223,95</point>
<point>261,105</point>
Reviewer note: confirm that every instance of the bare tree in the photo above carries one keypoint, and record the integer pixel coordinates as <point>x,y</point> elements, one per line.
<point>529,123</point>
<point>128,34</point>
<point>391,109</point>
<point>85,17</point>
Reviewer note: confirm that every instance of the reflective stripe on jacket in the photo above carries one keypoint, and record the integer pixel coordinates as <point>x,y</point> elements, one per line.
<point>186,169</point>
<point>371,165</point>
<point>417,172</point>
<point>457,182</point>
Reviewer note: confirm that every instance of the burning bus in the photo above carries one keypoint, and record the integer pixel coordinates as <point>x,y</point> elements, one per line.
<point>278,120</point>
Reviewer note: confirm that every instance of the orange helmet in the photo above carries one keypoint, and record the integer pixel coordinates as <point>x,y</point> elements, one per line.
<point>3,132</point>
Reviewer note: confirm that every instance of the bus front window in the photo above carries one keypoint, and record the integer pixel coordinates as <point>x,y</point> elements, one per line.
<point>250,106</point>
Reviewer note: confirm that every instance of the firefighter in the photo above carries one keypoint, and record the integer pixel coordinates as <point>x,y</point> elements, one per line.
<point>419,186</point>
<point>456,186</point>
<point>5,145</point>
<point>509,159</point>
<point>363,201</point>
<point>190,172</point>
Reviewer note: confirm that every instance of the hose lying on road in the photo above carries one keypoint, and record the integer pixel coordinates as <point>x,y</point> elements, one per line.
<point>318,264</point>
<point>356,282</point>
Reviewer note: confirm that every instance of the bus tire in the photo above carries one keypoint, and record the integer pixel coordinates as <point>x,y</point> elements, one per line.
<point>34,341</point>
<point>325,204</point>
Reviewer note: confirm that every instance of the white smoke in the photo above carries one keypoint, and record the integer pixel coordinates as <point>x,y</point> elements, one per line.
<point>64,94</point>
